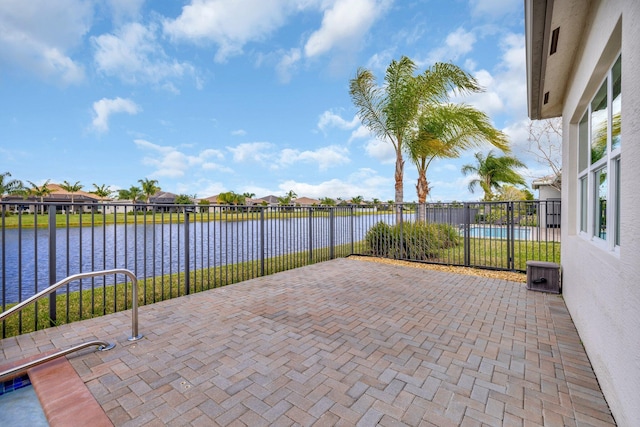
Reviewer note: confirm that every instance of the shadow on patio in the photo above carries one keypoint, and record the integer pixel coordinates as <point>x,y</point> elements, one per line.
<point>344,342</point>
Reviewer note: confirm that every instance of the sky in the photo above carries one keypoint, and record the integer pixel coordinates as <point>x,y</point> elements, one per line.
<point>250,96</point>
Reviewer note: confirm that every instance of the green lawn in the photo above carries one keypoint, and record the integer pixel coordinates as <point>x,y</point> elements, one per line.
<point>88,220</point>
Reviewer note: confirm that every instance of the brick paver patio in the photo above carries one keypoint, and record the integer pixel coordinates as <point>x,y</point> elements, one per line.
<point>344,342</point>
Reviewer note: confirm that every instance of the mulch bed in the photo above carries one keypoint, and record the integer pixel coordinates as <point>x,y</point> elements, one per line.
<point>494,274</point>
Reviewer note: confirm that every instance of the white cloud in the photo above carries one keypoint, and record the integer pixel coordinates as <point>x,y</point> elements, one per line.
<point>172,163</point>
<point>106,107</point>
<point>359,133</point>
<point>382,151</point>
<point>228,23</point>
<point>134,55</point>
<point>380,61</point>
<point>329,119</point>
<point>239,132</point>
<point>458,43</point>
<point>202,188</point>
<point>363,182</point>
<point>344,25</point>
<point>325,157</point>
<point>37,35</point>
<point>287,63</point>
<point>506,85</point>
<point>261,152</point>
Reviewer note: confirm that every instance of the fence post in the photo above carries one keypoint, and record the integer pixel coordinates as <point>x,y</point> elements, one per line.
<point>400,253</point>
<point>510,235</point>
<point>262,239</point>
<point>353,226</point>
<point>52,263</point>
<point>331,232</point>
<point>467,238</point>
<point>187,255</point>
<point>310,228</point>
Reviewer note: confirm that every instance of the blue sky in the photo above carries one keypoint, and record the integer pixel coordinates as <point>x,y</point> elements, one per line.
<point>250,96</point>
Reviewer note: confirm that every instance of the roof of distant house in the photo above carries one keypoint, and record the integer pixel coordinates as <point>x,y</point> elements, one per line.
<point>548,180</point>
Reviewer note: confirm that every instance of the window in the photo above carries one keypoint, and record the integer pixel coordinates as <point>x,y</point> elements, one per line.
<point>599,148</point>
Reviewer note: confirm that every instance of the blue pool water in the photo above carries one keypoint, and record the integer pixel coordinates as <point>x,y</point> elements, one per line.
<point>499,232</point>
<point>19,404</point>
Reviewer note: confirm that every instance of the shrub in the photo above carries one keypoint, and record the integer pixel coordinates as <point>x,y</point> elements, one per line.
<point>416,241</point>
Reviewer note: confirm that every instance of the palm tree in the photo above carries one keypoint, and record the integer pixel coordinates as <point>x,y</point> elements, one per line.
<point>134,193</point>
<point>357,200</point>
<point>249,195</point>
<point>149,188</point>
<point>71,188</point>
<point>231,198</point>
<point>101,191</point>
<point>11,186</point>
<point>287,198</point>
<point>444,131</point>
<point>327,201</point>
<point>392,111</point>
<point>40,191</point>
<point>492,171</point>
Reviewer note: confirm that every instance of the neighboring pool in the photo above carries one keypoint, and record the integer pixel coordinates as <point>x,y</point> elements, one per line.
<point>19,404</point>
<point>518,233</point>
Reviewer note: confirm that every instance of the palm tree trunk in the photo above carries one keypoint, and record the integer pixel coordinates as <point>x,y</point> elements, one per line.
<point>422,188</point>
<point>399,185</point>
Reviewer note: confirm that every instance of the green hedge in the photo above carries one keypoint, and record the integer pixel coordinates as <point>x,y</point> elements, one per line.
<point>415,241</point>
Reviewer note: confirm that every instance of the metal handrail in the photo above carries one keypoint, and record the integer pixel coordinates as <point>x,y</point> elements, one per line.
<point>134,304</point>
<point>102,346</point>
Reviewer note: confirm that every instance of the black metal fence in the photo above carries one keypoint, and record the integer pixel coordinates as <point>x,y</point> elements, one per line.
<point>176,250</point>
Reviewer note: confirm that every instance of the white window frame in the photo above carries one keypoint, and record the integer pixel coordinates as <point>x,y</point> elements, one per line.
<point>610,161</point>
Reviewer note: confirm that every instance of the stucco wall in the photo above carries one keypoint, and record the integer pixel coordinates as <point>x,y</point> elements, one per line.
<point>602,287</point>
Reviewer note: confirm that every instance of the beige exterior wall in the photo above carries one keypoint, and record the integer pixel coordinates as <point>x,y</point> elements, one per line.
<point>602,286</point>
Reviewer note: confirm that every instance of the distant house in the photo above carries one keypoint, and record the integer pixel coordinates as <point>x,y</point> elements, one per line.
<point>163,198</point>
<point>306,201</point>
<point>271,200</point>
<point>58,196</point>
<point>581,56</point>
<point>548,187</point>
<point>549,195</point>
<point>213,200</point>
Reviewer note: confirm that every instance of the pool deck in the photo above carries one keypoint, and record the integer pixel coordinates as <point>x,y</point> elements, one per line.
<point>345,342</point>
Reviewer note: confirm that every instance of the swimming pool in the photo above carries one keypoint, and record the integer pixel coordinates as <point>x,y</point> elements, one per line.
<point>488,232</point>
<point>19,404</point>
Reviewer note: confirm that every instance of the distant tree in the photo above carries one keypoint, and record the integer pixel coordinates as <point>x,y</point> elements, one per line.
<point>71,188</point>
<point>287,199</point>
<point>249,195</point>
<point>391,111</point>
<point>133,193</point>
<point>101,191</point>
<point>508,193</point>
<point>40,191</point>
<point>492,171</point>
<point>357,200</point>
<point>327,201</point>
<point>149,188</point>
<point>545,143</point>
<point>9,186</point>
<point>183,199</point>
<point>231,198</point>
